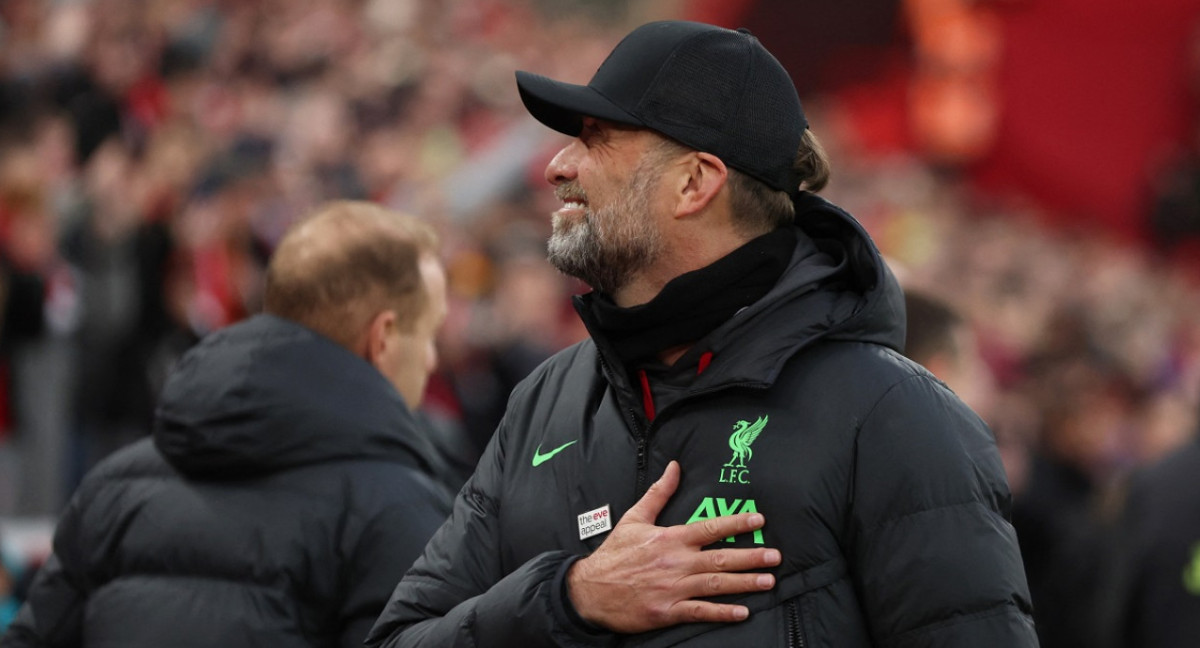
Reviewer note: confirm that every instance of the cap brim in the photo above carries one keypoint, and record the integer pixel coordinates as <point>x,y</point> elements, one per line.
<point>562,106</point>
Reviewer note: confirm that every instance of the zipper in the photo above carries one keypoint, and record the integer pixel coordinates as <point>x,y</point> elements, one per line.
<point>643,435</point>
<point>795,629</point>
<point>643,454</point>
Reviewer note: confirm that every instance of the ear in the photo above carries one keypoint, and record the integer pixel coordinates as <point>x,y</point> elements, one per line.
<point>704,175</point>
<point>378,337</point>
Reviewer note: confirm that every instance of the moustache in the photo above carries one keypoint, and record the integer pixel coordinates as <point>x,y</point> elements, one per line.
<point>569,191</point>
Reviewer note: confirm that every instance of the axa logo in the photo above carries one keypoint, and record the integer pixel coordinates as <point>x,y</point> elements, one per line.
<point>712,507</point>
<point>744,433</point>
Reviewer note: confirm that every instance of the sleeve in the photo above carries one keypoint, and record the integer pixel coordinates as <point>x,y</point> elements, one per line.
<point>52,616</point>
<point>458,594</point>
<point>935,557</point>
<point>383,549</point>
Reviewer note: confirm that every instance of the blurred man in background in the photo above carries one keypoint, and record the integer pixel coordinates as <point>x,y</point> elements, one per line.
<point>940,339</point>
<point>287,486</point>
<point>1152,593</point>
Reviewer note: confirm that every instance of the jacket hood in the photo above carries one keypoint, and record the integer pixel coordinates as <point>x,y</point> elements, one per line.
<point>268,394</point>
<point>837,286</point>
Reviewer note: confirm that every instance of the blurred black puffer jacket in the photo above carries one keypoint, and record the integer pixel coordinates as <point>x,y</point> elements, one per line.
<point>285,492</point>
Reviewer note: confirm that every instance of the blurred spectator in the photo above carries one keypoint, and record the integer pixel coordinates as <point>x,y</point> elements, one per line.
<point>1175,218</point>
<point>942,341</point>
<point>38,312</point>
<point>1175,188</point>
<point>1086,405</point>
<point>1152,599</point>
<point>119,256</point>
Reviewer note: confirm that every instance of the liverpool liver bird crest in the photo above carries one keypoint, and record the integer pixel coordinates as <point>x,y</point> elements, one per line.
<point>744,433</point>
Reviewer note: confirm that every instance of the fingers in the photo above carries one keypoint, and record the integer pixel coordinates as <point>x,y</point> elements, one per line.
<point>647,509</point>
<point>718,572</point>
<point>704,611</point>
<point>718,584</point>
<point>718,528</point>
<point>735,560</point>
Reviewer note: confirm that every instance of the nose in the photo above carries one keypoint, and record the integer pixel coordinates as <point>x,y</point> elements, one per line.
<point>565,165</point>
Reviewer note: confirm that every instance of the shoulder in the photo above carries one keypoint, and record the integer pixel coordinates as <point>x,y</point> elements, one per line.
<point>882,396</point>
<point>1169,484</point>
<point>865,358</point>
<point>1176,467</point>
<point>377,485</point>
<point>919,447</point>
<point>858,374</point>
<point>577,366</point>
<point>138,460</point>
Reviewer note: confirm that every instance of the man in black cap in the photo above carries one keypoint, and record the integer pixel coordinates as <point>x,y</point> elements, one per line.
<point>816,489</point>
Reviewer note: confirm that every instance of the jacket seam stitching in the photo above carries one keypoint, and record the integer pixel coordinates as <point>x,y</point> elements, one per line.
<point>931,509</point>
<point>436,583</point>
<point>882,397</point>
<point>1003,608</point>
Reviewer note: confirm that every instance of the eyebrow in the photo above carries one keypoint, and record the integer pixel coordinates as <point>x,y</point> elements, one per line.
<point>612,125</point>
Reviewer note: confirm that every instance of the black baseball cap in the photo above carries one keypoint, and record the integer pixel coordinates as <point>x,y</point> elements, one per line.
<point>716,90</point>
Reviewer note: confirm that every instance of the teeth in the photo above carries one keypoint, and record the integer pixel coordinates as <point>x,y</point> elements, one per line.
<point>573,204</point>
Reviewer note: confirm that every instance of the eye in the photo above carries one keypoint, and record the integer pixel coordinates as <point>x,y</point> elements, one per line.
<point>590,131</point>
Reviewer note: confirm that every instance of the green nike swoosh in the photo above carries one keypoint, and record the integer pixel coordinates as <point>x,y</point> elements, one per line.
<point>539,458</point>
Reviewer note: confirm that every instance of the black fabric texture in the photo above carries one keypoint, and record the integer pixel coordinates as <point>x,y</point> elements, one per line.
<point>283,496</point>
<point>716,90</point>
<point>693,304</point>
<point>884,493</point>
<point>1150,596</point>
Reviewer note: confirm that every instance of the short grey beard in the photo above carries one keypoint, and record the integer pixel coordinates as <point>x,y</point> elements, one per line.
<point>608,247</point>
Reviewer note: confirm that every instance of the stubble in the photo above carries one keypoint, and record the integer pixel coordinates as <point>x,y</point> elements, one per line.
<point>610,245</point>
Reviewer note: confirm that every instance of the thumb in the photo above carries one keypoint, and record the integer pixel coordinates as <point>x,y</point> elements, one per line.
<point>647,509</point>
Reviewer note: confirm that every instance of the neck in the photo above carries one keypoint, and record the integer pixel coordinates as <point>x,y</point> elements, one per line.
<point>681,312</point>
<point>637,293</point>
<point>683,255</point>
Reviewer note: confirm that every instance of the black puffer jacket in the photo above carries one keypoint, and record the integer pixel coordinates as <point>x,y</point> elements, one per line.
<point>884,493</point>
<point>1152,595</point>
<point>284,494</point>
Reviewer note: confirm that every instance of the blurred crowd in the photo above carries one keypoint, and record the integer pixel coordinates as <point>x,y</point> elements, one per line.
<point>151,154</point>
<point>153,151</point>
<point>1084,357</point>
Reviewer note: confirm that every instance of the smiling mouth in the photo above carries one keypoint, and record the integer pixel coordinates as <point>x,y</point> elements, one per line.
<point>572,196</point>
